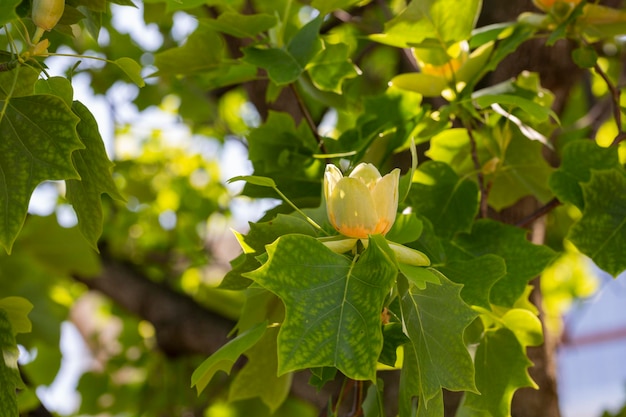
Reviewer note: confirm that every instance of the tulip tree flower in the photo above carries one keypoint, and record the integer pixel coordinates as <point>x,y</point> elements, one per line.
<point>362,204</point>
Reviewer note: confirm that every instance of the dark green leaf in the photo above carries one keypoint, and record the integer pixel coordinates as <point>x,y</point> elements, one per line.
<point>7,11</point>
<point>254,242</point>
<point>327,6</point>
<point>241,25</point>
<point>578,159</point>
<point>435,319</point>
<point>56,86</point>
<point>321,376</point>
<point>524,260</point>
<point>523,172</point>
<point>201,52</point>
<point>38,137</point>
<point>501,369</point>
<point>306,43</point>
<point>601,232</point>
<point>258,377</point>
<point>449,202</point>
<point>585,56</point>
<point>9,374</point>
<point>94,167</point>
<point>18,82</point>
<point>332,309</point>
<point>281,67</point>
<point>225,357</point>
<point>477,276</point>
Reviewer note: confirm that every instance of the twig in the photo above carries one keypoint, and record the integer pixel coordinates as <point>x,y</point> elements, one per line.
<point>541,211</point>
<point>484,191</point>
<point>615,95</point>
<point>308,118</point>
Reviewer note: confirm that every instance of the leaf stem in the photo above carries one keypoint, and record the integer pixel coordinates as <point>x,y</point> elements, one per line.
<point>308,219</point>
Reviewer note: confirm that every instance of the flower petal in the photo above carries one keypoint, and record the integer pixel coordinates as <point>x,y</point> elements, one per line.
<point>367,174</point>
<point>351,209</point>
<point>385,197</point>
<point>332,175</point>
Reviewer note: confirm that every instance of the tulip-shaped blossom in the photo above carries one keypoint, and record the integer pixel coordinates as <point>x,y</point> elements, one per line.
<point>362,204</point>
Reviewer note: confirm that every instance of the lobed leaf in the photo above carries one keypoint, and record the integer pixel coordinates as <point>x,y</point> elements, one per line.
<point>524,260</point>
<point>225,357</point>
<point>579,158</point>
<point>449,202</point>
<point>601,232</point>
<point>94,167</point>
<point>38,139</point>
<point>435,319</point>
<point>501,369</point>
<point>332,304</point>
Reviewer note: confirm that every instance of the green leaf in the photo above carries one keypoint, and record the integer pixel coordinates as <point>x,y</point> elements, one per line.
<point>306,43</point>
<point>427,85</point>
<point>94,168</point>
<point>254,242</point>
<point>321,376</point>
<point>578,159</point>
<point>373,404</point>
<point>448,21</point>
<point>524,260</point>
<point>7,11</point>
<point>9,374</point>
<point>202,52</point>
<point>281,66</point>
<point>284,153</point>
<point>524,171</point>
<point>501,369</point>
<point>477,276</point>
<point>38,137</point>
<point>585,57</point>
<point>525,325</point>
<point>241,25</point>
<point>17,309</point>
<point>258,377</point>
<point>449,202</point>
<point>331,67</point>
<point>19,82</point>
<point>407,228</point>
<point>435,319</point>
<point>327,6</point>
<point>255,179</point>
<point>394,337</point>
<point>56,86</point>
<point>225,357</point>
<point>534,109</point>
<point>419,276</point>
<point>332,304</point>
<point>132,69</point>
<point>601,232</point>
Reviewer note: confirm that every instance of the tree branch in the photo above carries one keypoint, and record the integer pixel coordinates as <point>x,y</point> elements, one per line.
<point>182,326</point>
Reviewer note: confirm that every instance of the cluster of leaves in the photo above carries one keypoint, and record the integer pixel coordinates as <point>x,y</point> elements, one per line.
<point>461,324</point>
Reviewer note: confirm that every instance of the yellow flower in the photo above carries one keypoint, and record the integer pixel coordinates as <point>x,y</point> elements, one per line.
<point>363,203</point>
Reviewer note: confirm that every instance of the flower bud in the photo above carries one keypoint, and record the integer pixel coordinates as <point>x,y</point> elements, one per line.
<point>363,203</point>
<point>47,13</point>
